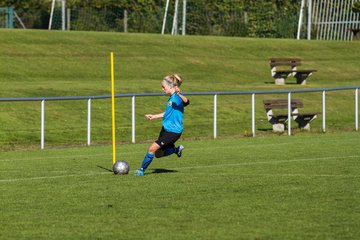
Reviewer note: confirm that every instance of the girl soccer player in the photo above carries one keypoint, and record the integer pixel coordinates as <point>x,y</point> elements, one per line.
<point>172,125</point>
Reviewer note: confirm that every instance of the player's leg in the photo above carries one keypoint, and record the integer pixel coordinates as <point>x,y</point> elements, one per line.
<point>163,146</point>
<point>169,150</point>
<point>163,152</point>
<point>159,153</point>
<point>149,156</point>
<point>167,144</point>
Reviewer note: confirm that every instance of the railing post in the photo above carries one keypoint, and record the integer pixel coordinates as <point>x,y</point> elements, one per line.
<point>125,21</point>
<point>289,113</point>
<point>42,127</point>
<point>323,111</point>
<point>215,115</point>
<point>89,122</point>
<point>253,114</point>
<point>184,18</point>
<point>133,119</point>
<point>356,109</point>
<point>63,12</point>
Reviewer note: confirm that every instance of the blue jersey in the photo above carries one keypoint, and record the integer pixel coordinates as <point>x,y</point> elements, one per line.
<point>173,116</point>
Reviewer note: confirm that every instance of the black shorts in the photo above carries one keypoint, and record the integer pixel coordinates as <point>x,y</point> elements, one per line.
<point>167,139</point>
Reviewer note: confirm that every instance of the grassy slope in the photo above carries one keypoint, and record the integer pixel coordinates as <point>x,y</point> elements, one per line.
<point>43,63</point>
<point>262,188</point>
<point>81,59</point>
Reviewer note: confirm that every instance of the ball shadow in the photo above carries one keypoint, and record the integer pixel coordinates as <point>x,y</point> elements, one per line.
<point>104,168</point>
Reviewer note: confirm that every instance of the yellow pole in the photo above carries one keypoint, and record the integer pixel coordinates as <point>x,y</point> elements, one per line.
<point>113,108</point>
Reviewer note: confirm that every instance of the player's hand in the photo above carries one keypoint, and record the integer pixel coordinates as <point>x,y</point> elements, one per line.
<point>149,116</point>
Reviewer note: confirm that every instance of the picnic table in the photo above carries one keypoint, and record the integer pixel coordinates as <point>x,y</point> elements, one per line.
<point>278,117</point>
<point>280,74</point>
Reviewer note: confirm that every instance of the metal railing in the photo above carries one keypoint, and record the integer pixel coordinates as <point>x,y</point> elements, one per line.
<point>215,94</point>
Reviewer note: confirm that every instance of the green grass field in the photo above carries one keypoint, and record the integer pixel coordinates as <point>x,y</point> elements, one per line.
<point>275,187</point>
<point>56,63</point>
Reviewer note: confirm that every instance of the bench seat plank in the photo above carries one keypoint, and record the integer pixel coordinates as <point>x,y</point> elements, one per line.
<point>282,103</point>
<point>285,59</point>
<point>295,71</point>
<point>285,63</point>
<point>305,71</point>
<point>308,114</point>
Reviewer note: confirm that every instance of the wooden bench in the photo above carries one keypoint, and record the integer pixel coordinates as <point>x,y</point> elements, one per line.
<point>281,74</point>
<point>278,118</point>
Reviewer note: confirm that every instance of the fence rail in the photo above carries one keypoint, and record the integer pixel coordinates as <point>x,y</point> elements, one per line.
<point>215,94</point>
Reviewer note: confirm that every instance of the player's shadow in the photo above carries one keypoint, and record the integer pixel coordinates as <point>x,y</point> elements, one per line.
<point>162,170</point>
<point>104,168</point>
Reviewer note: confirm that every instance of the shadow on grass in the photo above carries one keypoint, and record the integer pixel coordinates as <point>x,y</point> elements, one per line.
<point>287,83</point>
<point>156,170</point>
<point>104,168</point>
<point>162,170</point>
<point>264,129</point>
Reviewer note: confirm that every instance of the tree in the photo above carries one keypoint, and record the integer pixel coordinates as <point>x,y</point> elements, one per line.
<point>356,7</point>
<point>33,13</point>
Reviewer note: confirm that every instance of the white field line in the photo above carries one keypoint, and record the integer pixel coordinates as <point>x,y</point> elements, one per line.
<point>53,177</point>
<point>59,157</point>
<point>209,166</point>
<point>283,175</point>
<point>192,149</point>
<point>271,162</point>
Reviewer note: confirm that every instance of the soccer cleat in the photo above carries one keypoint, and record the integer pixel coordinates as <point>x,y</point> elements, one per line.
<point>179,150</point>
<point>139,172</point>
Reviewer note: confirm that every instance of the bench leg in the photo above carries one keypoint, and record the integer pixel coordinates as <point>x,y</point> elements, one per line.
<point>278,127</point>
<point>303,82</point>
<point>304,123</point>
<point>301,78</point>
<point>280,81</point>
<point>277,124</point>
<point>280,78</point>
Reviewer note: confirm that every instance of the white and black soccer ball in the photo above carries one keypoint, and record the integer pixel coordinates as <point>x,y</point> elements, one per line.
<point>121,167</point>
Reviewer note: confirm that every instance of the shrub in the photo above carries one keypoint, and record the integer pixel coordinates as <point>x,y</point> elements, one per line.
<point>356,7</point>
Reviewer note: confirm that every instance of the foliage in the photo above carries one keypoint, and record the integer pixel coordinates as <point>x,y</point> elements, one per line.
<point>34,13</point>
<point>268,18</point>
<point>271,18</point>
<point>356,7</point>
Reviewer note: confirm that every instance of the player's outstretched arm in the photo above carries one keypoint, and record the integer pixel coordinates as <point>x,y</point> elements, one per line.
<point>154,116</point>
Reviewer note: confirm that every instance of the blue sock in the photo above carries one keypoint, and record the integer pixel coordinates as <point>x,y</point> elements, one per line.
<point>147,160</point>
<point>168,151</point>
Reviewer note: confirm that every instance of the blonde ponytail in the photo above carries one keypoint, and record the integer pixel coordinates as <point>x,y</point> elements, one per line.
<point>177,80</point>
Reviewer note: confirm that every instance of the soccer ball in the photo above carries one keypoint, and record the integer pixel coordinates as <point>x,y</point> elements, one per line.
<point>121,167</point>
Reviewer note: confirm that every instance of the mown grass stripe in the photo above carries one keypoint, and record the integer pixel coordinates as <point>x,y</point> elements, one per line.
<point>218,166</point>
